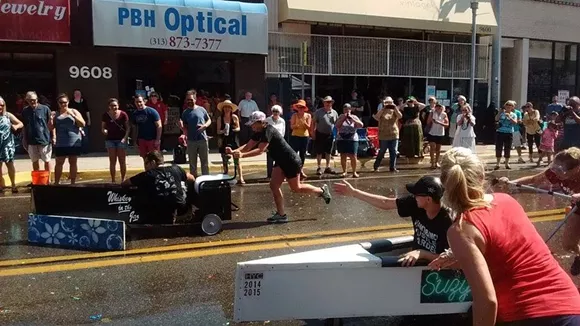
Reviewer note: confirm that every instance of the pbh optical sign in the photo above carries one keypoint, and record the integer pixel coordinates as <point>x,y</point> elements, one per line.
<point>188,25</point>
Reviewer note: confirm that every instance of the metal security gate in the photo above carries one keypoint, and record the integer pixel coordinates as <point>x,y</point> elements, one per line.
<point>377,57</point>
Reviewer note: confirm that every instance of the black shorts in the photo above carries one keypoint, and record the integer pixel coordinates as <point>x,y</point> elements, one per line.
<point>67,151</point>
<point>435,139</point>
<point>323,143</point>
<point>291,169</point>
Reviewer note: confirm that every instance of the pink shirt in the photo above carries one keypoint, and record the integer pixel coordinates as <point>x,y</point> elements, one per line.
<point>548,138</point>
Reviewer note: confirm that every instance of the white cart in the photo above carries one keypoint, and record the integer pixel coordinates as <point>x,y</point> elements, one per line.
<point>359,280</point>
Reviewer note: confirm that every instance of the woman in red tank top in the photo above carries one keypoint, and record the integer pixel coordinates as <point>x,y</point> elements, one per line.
<point>562,175</point>
<point>514,278</point>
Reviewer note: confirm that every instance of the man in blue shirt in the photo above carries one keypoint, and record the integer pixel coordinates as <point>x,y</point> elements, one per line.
<point>148,125</point>
<point>194,121</point>
<point>38,132</point>
<point>553,107</point>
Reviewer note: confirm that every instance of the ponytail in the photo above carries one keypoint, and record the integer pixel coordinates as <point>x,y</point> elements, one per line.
<point>463,178</point>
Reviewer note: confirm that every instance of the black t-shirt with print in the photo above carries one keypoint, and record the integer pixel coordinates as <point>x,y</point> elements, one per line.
<point>161,191</point>
<point>278,148</point>
<point>430,234</point>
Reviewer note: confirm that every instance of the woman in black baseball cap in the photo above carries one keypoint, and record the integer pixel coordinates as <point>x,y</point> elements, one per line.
<point>430,219</point>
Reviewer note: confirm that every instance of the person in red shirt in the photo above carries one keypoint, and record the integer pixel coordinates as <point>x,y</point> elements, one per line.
<point>564,175</point>
<point>514,278</point>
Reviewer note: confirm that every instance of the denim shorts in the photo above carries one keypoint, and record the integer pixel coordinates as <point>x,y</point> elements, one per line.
<point>109,144</point>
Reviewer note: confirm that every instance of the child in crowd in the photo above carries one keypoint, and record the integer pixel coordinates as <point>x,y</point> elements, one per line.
<point>547,144</point>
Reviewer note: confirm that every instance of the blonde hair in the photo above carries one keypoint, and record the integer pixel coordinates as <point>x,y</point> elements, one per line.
<point>510,102</point>
<point>569,158</point>
<point>463,176</point>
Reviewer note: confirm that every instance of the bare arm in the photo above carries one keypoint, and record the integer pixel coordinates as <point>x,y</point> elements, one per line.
<point>468,247</point>
<point>247,147</point>
<point>80,122</point>
<point>357,122</point>
<point>256,151</point>
<point>159,130</point>
<point>445,122</point>
<point>294,122</point>
<point>183,127</point>
<point>340,121</point>
<point>308,120</point>
<point>16,124</point>
<point>127,129</point>
<point>104,130</point>
<point>377,116</point>
<point>377,201</point>
<point>538,179</point>
<point>236,122</point>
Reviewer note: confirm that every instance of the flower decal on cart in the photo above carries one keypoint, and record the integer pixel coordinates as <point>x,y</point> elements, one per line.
<point>76,232</point>
<point>51,235</point>
<point>32,220</point>
<point>72,238</point>
<point>94,229</point>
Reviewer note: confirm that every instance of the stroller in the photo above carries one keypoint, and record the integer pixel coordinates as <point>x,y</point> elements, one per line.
<point>366,148</point>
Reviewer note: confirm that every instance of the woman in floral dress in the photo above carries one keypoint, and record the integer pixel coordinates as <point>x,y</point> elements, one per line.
<point>8,122</point>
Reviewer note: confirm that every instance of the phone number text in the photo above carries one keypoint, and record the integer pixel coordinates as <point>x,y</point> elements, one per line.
<point>184,42</point>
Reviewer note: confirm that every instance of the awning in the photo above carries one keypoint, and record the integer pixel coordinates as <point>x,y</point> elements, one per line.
<point>437,15</point>
<point>186,25</point>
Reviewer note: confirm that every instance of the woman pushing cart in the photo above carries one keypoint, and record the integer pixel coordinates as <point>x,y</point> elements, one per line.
<point>287,163</point>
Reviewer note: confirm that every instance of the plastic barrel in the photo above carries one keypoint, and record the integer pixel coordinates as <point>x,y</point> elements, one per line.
<point>40,177</point>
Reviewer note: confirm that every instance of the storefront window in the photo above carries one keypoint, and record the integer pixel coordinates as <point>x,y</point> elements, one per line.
<point>565,64</point>
<point>22,72</point>
<point>540,73</point>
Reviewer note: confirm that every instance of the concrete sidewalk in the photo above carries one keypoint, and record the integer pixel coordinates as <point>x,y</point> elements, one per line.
<point>96,166</point>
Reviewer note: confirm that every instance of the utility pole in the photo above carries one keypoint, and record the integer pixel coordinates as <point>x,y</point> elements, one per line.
<point>496,57</point>
<point>474,7</point>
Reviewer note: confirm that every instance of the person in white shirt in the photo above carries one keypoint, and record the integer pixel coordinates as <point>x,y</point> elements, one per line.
<point>247,107</point>
<point>277,122</point>
<point>464,134</point>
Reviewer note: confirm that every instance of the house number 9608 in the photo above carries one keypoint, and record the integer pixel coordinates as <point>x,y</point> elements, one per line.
<point>94,72</point>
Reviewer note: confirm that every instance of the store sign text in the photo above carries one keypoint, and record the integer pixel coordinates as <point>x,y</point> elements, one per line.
<point>202,22</point>
<point>185,28</point>
<point>94,72</point>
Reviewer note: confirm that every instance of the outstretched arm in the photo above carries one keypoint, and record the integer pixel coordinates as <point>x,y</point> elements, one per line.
<point>377,201</point>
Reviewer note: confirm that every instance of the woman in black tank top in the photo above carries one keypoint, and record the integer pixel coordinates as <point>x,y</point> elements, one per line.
<point>228,127</point>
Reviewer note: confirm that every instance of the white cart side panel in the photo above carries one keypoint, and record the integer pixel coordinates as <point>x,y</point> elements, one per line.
<point>343,256</point>
<point>334,293</point>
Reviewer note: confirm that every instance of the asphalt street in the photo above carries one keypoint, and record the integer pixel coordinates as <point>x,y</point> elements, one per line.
<point>174,277</point>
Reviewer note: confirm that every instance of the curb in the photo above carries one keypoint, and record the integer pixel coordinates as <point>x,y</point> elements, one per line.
<point>24,178</point>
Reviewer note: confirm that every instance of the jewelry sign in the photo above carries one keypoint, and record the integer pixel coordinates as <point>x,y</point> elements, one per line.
<point>224,26</point>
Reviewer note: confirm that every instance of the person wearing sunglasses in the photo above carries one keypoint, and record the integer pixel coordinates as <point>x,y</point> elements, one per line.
<point>564,172</point>
<point>67,123</point>
<point>38,134</point>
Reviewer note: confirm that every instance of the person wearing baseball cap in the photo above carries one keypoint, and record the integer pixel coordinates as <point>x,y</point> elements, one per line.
<point>287,164</point>
<point>430,218</point>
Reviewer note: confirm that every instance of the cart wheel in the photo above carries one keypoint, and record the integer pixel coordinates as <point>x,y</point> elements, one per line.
<point>333,322</point>
<point>211,224</point>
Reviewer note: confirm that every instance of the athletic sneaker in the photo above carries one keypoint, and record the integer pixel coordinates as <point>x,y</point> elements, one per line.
<point>326,194</point>
<point>277,218</point>
<point>319,171</point>
<point>575,269</point>
<point>329,171</point>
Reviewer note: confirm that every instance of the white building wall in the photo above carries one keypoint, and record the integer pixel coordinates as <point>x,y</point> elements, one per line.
<point>540,20</point>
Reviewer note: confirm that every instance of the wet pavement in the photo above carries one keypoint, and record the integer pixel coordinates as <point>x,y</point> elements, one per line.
<point>171,279</point>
